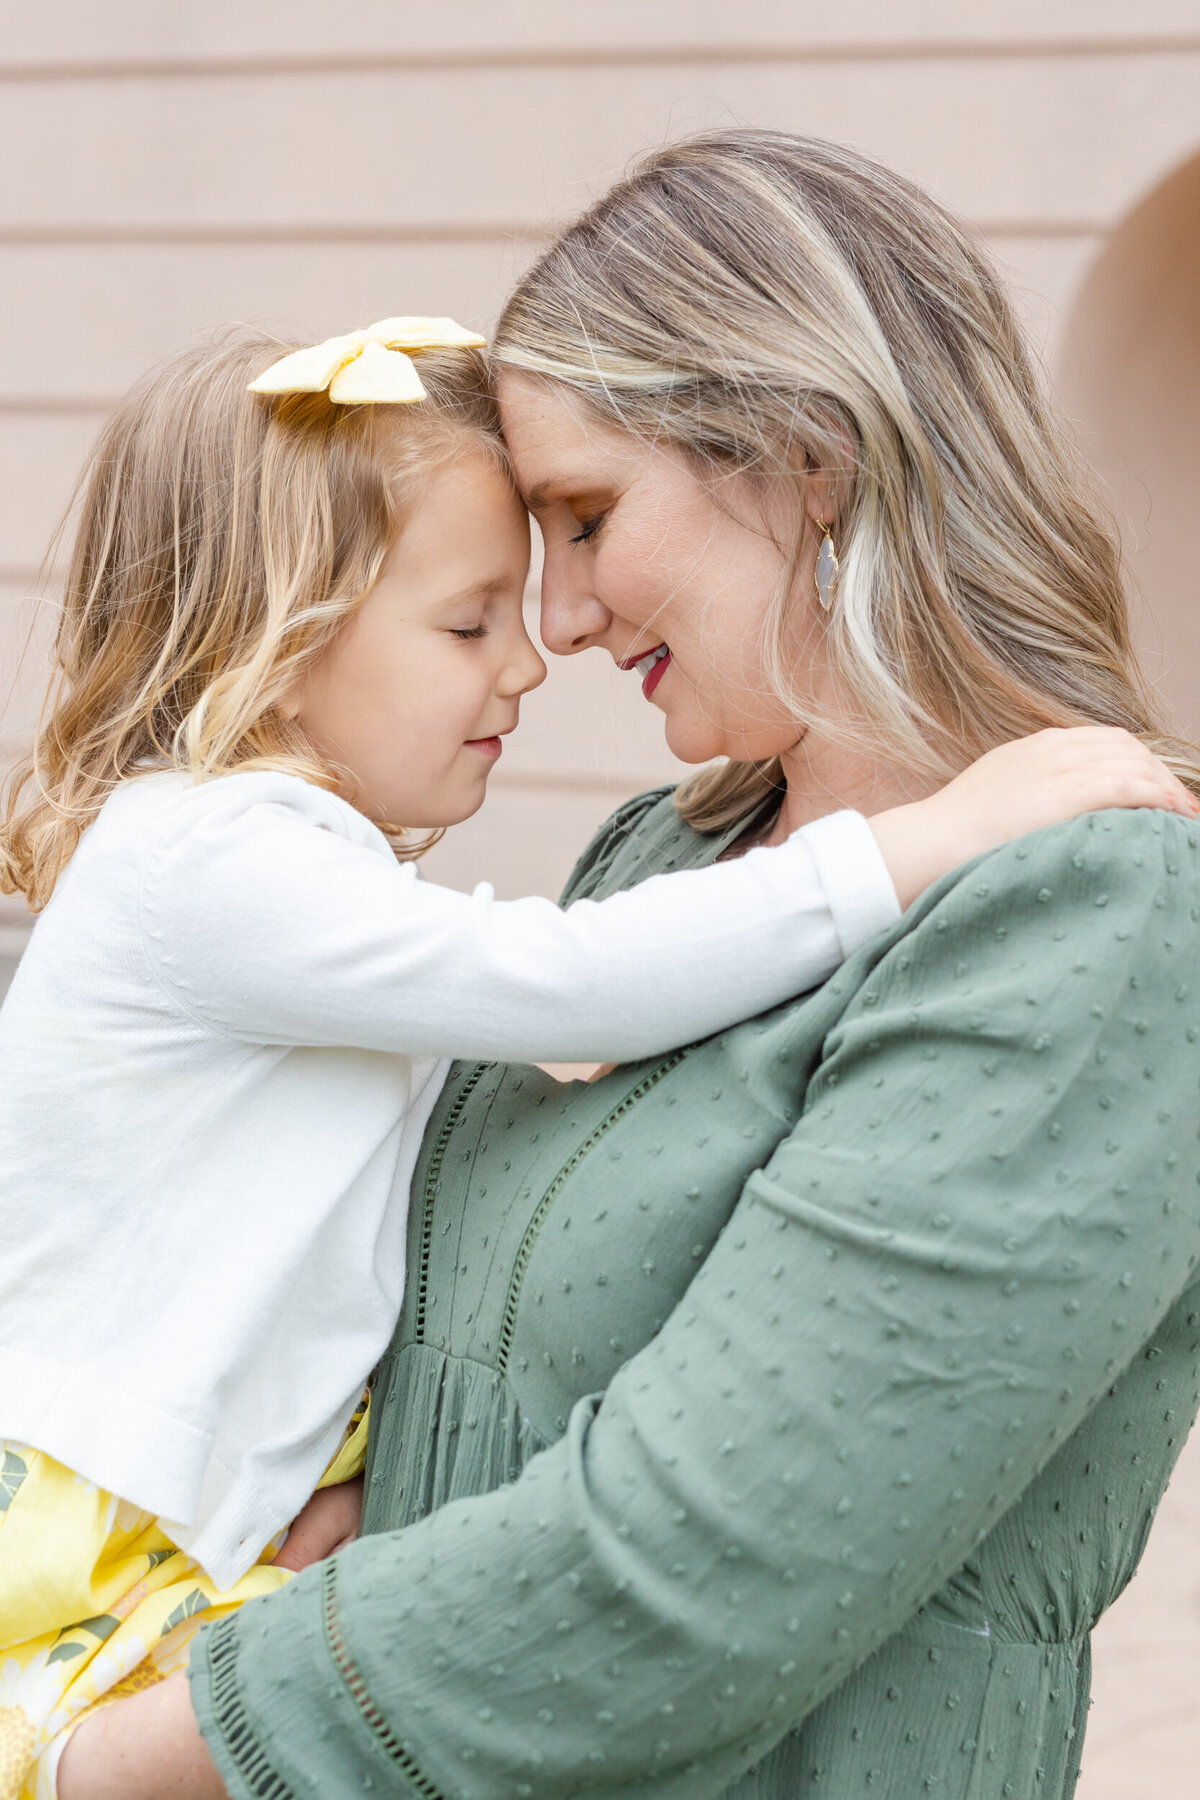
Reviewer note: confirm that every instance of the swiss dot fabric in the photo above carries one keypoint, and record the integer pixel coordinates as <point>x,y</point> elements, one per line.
<point>776,1420</point>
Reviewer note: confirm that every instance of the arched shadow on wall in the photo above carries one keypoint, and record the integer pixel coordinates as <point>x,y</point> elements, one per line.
<point>1130,378</point>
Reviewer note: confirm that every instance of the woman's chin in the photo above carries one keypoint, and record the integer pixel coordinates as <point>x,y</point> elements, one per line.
<point>692,740</point>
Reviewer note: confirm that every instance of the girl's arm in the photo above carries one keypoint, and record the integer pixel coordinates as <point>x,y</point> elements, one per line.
<point>881,1328</point>
<point>268,927</point>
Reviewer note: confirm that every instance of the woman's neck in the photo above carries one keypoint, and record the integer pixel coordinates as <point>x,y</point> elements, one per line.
<point>824,776</point>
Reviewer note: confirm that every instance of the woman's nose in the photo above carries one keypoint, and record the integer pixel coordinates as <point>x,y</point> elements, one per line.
<point>525,669</point>
<point>572,616</point>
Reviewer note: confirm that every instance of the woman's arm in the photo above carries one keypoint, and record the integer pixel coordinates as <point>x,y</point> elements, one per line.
<point>988,1203</point>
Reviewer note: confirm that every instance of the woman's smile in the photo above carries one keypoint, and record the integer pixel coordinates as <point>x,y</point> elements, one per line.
<point>666,550</point>
<point>651,665</point>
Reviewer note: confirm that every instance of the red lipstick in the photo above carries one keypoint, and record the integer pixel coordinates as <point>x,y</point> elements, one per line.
<point>651,665</point>
<point>656,674</point>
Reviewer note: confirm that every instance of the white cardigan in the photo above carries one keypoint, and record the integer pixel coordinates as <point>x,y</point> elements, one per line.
<point>217,1059</point>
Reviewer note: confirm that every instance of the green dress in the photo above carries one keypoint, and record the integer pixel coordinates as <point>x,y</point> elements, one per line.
<point>776,1418</point>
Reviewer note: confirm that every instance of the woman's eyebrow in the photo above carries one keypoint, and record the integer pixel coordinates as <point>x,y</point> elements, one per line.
<point>557,487</point>
<point>541,491</point>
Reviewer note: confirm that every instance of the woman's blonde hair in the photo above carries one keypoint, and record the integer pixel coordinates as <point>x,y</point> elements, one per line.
<point>770,304</point>
<point>223,540</point>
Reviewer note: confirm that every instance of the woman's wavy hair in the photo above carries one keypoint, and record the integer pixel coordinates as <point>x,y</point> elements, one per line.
<point>223,539</point>
<point>768,304</point>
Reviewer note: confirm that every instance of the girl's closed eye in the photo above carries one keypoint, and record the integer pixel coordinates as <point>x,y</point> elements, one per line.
<point>468,631</point>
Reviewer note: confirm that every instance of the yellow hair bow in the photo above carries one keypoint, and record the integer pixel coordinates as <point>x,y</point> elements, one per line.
<point>366,368</point>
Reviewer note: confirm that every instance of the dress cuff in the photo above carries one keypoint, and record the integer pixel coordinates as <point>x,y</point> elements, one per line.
<point>293,1722</point>
<point>861,894</point>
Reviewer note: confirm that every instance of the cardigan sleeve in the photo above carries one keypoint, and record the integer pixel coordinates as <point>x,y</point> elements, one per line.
<point>264,921</point>
<point>988,1203</point>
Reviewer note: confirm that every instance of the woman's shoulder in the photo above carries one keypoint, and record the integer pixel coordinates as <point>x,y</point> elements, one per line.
<point>1109,891</point>
<point>1127,858</point>
<point>635,841</point>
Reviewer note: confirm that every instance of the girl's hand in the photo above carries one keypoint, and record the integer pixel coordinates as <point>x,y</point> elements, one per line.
<point>1036,781</point>
<point>327,1522</point>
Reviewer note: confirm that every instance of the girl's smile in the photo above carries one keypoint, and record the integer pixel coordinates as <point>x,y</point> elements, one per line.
<point>488,746</point>
<point>413,697</point>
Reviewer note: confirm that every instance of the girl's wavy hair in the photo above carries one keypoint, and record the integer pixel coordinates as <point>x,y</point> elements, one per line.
<point>767,304</point>
<point>223,540</point>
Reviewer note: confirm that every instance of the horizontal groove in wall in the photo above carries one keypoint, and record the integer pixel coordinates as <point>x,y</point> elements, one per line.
<point>28,237</point>
<point>599,56</point>
<point>580,781</point>
<point>550,782</point>
<point>1039,228</point>
<point>53,406</point>
<point>299,232</point>
<point>566,782</point>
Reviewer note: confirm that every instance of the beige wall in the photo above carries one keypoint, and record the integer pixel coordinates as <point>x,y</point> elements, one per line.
<point>314,166</point>
<point>1130,376</point>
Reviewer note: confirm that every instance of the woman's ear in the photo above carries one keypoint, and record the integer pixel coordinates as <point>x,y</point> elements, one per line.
<point>827,482</point>
<point>820,499</point>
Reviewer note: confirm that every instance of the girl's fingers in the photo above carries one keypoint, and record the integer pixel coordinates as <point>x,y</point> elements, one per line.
<point>1133,790</point>
<point>1134,763</point>
<point>1088,768</point>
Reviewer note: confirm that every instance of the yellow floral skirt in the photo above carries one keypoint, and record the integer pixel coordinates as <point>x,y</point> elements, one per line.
<point>95,1603</point>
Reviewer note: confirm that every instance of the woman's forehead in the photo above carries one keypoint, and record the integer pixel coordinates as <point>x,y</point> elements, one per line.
<point>533,410</point>
<point>557,444</point>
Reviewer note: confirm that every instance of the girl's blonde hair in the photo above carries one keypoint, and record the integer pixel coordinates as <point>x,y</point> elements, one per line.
<point>770,304</point>
<point>223,540</point>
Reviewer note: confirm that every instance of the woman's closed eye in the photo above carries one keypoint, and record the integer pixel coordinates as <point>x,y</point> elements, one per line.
<point>588,528</point>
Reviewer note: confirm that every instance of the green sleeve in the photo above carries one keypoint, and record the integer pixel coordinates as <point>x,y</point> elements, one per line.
<point>989,1202</point>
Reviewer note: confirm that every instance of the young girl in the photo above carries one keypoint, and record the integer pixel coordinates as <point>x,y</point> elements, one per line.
<point>292,634</point>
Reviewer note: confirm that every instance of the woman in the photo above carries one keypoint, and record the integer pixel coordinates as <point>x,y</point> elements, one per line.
<point>785,1412</point>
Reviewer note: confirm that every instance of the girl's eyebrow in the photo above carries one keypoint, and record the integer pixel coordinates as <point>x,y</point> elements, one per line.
<point>478,590</point>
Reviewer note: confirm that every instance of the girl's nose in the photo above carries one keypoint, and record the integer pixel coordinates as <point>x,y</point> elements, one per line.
<point>571,617</point>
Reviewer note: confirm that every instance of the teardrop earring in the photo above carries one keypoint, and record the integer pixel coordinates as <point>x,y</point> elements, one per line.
<point>827,567</point>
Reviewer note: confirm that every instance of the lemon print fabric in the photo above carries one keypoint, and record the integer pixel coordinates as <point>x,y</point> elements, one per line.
<point>95,1603</point>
